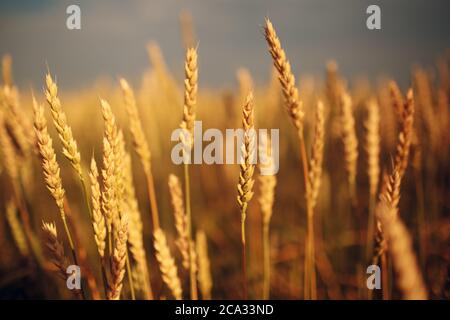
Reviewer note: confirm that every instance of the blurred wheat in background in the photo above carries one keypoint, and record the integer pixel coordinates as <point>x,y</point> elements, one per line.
<point>87,179</point>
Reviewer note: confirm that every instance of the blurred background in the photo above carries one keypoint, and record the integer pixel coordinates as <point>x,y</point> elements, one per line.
<point>114,34</point>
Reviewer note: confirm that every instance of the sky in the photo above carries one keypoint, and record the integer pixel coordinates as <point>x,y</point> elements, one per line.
<point>114,34</point>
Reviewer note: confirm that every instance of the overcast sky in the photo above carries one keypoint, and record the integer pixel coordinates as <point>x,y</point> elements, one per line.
<point>114,35</point>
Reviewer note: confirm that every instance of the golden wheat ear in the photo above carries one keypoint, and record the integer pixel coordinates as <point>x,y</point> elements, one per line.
<point>98,220</point>
<point>119,257</point>
<point>55,251</point>
<point>176,195</point>
<point>70,149</point>
<point>409,278</point>
<point>293,105</point>
<point>204,268</point>
<point>167,264</point>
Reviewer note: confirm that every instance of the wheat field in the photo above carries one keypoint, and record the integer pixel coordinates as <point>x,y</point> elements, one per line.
<point>87,179</point>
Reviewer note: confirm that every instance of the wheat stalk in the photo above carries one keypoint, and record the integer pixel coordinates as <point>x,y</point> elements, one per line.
<point>176,195</point>
<point>167,264</point>
<point>404,260</point>
<point>204,268</point>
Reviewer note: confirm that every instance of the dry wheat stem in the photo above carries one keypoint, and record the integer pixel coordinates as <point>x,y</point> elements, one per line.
<point>167,264</point>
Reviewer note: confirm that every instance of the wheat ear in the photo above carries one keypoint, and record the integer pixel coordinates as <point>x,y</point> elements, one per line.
<point>167,264</point>
<point>404,260</point>
<point>55,251</point>
<point>406,134</point>
<point>176,195</point>
<point>396,98</point>
<point>312,193</point>
<point>16,122</point>
<point>9,156</point>
<point>372,148</point>
<point>98,220</point>
<point>267,185</point>
<point>140,146</point>
<point>70,149</point>
<point>109,171</point>
<point>135,236</point>
<point>350,142</point>
<point>294,108</point>
<point>315,164</point>
<point>119,257</point>
<point>187,125</point>
<point>245,184</point>
<point>204,268</point>
<point>290,92</point>
<point>17,229</point>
